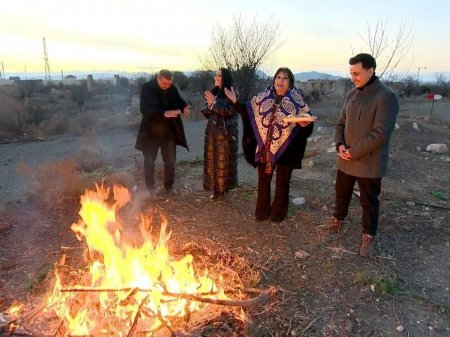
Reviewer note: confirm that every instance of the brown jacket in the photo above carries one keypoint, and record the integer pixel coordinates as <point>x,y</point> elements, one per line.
<point>365,127</point>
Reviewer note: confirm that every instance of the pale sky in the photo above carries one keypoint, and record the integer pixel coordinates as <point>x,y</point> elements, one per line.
<point>147,35</point>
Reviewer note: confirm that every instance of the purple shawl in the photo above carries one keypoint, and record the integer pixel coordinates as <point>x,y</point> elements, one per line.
<point>260,110</point>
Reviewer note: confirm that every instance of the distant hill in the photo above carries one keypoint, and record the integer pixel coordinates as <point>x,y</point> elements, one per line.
<point>315,75</point>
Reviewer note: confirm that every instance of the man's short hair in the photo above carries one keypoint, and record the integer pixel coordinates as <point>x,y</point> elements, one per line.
<point>167,74</point>
<point>366,60</point>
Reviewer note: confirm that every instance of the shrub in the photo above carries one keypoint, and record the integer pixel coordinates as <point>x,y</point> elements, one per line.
<point>55,127</point>
<point>54,182</point>
<point>35,114</point>
<point>79,94</point>
<point>180,80</point>
<point>85,122</point>
<point>91,159</point>
<point>9,127</point>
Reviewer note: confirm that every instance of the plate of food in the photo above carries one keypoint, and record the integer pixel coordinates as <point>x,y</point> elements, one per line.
<point>300,118</point>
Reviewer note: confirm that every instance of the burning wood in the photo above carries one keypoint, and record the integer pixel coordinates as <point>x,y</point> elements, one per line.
<point>127,287</point>
<point>263,298</point>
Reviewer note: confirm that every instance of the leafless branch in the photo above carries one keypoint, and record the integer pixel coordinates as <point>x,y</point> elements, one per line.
<point>389,53</point>
<point>244,49</point>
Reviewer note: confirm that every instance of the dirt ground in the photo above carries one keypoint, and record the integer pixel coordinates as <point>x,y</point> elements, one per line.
<point>323,288</point>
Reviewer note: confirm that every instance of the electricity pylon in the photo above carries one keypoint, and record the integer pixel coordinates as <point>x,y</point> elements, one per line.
<point>47,65</point>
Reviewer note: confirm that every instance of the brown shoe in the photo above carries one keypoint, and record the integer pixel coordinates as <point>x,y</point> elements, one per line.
<point>367,245</point>
<point>334,225</point>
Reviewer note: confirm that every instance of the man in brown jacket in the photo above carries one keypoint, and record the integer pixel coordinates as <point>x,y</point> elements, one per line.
<point>362,135</point>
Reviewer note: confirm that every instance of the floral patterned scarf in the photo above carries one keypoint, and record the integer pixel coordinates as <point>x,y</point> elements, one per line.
<point>260,113</point>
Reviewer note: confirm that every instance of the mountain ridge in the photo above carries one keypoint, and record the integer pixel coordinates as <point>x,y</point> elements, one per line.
<point>315,75</point>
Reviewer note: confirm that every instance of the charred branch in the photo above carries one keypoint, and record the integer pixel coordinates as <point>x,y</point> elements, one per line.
<point>261,299</point>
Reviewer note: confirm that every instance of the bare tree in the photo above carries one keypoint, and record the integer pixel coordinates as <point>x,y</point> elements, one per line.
<point>201,80</point>
<point>442,83</point>
<point>389,52</point>
<point>244,49</point>
<point>180,79</point>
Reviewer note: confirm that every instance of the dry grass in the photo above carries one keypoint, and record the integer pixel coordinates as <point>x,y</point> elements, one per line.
<point>54,182</point>
<point>327,293</point>
<point>91,158</point>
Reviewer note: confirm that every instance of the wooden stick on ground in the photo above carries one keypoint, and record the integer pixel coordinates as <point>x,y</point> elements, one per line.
<point>261,299</point>
<point>312,322</point>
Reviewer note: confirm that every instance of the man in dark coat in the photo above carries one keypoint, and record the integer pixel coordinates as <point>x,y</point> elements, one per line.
<point>362,136</point>
<point>161,127</point>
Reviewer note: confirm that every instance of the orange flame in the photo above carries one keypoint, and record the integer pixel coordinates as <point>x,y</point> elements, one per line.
<point>125,281</point>
<point>14,309</point>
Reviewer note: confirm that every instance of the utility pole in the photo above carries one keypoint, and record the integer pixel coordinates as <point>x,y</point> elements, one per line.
<point>3,71</point>
<point>47,65</point>
<point>418,73</point>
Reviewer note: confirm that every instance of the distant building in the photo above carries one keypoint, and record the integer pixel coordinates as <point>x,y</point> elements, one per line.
<point>329,88</point>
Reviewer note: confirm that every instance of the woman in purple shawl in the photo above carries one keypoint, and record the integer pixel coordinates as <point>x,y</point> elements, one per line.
<point>271,142</point>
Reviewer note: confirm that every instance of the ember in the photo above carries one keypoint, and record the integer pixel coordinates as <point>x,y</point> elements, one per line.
<point>127,287</point>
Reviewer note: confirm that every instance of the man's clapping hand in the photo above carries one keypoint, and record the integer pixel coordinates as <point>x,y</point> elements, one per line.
<point>186,111</point>
<point>171,113</point>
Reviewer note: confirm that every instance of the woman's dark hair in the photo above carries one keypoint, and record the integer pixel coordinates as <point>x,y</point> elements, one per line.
<point>227,82</point>
<point>289,74</point>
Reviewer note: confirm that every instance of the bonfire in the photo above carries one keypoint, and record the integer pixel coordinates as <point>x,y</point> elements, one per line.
<point>125,287</point>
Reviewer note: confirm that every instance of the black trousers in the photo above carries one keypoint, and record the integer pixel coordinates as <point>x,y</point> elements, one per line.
<point>369,199</point>
<point>169,156</point>
<point>277,211</point>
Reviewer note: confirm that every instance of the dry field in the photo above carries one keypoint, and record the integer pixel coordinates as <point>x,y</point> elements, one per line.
<point>322,287</point>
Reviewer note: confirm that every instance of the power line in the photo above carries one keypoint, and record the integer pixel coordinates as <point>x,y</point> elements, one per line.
<point>47,65</point>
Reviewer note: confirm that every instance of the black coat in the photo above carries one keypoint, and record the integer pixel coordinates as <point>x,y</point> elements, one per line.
<point>293,154</point>
<point>155,128</point>
<point>221,145</point>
